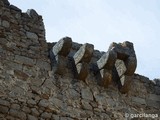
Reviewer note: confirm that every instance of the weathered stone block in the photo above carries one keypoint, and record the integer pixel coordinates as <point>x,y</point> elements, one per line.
<point>131,64</point>
<point>4,102</point>
<point>123,50</point>
<point>157,81</point>
<point>62,47</point>
<point>121,60</point>
<point>14,65</point>
<point>57,102</point>
<point>32,13</point>
<point>24,60</point>
<point>5,24</point>
<point>152,103</point>
<point>86,105</point>
<point>21,75</point>
<point>120,67</point>
<point>30,117</point>
<point>125,82</point>
<point>139,100</point>
<point>26,109</point>
<point>55,117</point>
<point>124,79</point>
<point>43,103</point>
<point>32,36</point>
<point>87,94</point>
<point>43,65</point>
<point>154,97</point>
<point>15,106</point>
<point>82,70</point>
<point>31,102</point>
<point>18,114</point>
<point>35,112</point>
<point>107,61</point>
<point>72,94</point>
<point>4,109</point>
<point>101,100</point>
<point>106,77</point>
<point>60,65</point>
<point>46,115</point>
<point>84,54</point>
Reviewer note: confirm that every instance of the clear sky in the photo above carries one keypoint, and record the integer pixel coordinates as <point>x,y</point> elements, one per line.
<point>101,22</point>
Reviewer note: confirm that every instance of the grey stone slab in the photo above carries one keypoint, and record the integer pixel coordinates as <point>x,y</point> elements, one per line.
<point>152,103</point>
<point>120,67</point>
<point>131,64</point>
<point>30,117</point>
<point>35,112</point>
<point>84,54</point>
<point>43,65</point>
<point>87,94</point>
<point>62,47</point>
<point>46,115</point>
<point>106,77</point>
<point>32,36</point>
<point>154,97</point>
<point>24,60</point>
<point>4,109</point>
<point>32,13</point>
<point>13,65</point>
<point>18,114</point>
<point>4,102</point>
<point>82,70</point>
<point>126,83</point>
<point>43,103</point>
<point>59,65</point>
<point>5,24</point>
<point>139,100</point>
<point>107,61</point>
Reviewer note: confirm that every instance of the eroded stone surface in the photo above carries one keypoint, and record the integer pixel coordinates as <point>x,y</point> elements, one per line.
<point>121,60</point>
<point>62,47</point>
<point>32,13</point>
<point>84,54</point>
<point>107,61</point>
<point>120,67</point>
<point>32,36</point>
<point>81,60</point>
<point>106,77</point>
<point>59,54</point>
<point>82,70</point>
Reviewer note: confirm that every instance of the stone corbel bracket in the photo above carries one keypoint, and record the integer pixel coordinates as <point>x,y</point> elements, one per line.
<point>105,65</point>
<point>32,14</point>
<point>81,60</point>
<point>121,59</point>
<point>59,53</point>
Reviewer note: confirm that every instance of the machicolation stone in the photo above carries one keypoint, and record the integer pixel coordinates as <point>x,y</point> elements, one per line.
<point>32,13</point>
<point>81,60</point>
<point>59,54</point>
<point>118,64</point>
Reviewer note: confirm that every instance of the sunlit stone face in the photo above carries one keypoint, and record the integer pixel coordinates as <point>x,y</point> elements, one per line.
<point>120,67</point>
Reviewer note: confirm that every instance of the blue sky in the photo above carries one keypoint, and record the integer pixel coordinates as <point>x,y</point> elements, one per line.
<point>101,22</point>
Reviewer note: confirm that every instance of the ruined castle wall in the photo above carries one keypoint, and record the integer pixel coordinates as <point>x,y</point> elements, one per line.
<point>30,89</point>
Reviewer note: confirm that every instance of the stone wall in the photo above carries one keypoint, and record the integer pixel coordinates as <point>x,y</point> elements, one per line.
<point>40,80</point>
